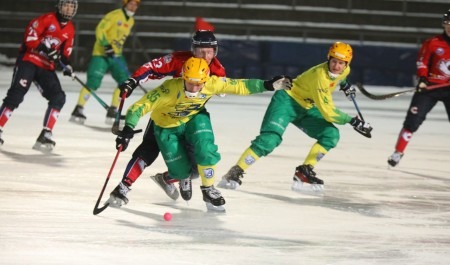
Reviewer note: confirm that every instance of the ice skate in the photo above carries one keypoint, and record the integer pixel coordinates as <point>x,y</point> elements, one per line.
<point>231,180</point>
<point>44,142</point>
<point>111,115</point>
<point>1,140</point>
<point>186,189</point>
<point>213,199</point>
<point>305,181</point>
<point>165,184</point>
<point>394,159</point>
<point>118,196</point>
<point>77,115</point>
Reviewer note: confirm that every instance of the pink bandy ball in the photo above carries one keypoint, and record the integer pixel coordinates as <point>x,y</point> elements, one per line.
<point>167,216</point>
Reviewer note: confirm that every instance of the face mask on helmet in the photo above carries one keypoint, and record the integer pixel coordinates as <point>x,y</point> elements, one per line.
<point>130,13</point>
<point>341,51</point>
<point>446,18</point>
<point>66,9</point>
<point>195,72</point>
<point>204,39</point>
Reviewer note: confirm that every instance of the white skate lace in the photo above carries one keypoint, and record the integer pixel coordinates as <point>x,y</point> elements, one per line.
<point>123,189</point>
<point>213,193</point>
<point>185,184</point>
<point>396,156</point>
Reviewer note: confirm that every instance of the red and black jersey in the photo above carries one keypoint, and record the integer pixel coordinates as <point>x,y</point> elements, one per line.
<point>47,30</point>
<point>434,59</point>
<point>171,65</point>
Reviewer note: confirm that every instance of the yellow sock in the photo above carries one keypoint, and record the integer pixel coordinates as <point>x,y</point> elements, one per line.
<point>207,174</point>
<point>316,153</point>
<point>83,97</point>
<point>115,98</point>
<point>247,159</point>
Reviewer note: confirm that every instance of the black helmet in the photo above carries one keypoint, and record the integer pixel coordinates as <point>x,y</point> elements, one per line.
<point>204,39</point>
<point>446,18</point>
<point>59,9</point>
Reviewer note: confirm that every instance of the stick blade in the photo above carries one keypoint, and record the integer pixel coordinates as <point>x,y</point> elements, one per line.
<point>380,97</point>
<point>101,209</point>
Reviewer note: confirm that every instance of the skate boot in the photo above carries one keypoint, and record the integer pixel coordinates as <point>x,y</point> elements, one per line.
<point>394,159</point>
<point>1,140</point>
<point>166,184</point>
<point>213,199</point>
<point>186,189</point>
<point>231,180</point>
<point>111,115</point>
<point>44,142</point>
<point>77,115</point>
<point>118,196</point>
<point>305,174</point>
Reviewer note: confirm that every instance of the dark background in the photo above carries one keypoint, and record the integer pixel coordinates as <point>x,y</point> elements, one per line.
<point>258,38</point>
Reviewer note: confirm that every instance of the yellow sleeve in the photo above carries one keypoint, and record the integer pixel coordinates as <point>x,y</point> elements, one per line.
<point>222,85</point>
<point>146,104</point>
<point>101,31</point>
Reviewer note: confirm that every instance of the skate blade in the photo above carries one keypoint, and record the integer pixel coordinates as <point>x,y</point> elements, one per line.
<point>114,202</point>
<point>77,120</point>
<point>174,196</point>
<point>231,185</point>
<point>216,209</point>
<point>308,189</point>
<point>45,148</point>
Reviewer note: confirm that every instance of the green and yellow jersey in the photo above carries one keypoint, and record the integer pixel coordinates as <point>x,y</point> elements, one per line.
<point>315,87</point>
<point>112,30</point>
<point>171,108</point>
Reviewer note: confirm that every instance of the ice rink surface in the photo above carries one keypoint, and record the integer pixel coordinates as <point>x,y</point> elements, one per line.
<point>369,214</point>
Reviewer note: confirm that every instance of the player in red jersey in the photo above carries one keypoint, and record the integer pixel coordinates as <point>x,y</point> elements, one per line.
<point>433,67</point>
<point>48,39</point>
<point>204,45</point>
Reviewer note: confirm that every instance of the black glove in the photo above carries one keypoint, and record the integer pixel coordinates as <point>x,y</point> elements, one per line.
<point>349,90</point>
<point>422,84</point>
<point>361,126</point>
<point>68,70</point>
<point>128,86</point>
<point>278,82</point>
<point>52,54</point>
<point>124,137</point>
<point>109,51</point>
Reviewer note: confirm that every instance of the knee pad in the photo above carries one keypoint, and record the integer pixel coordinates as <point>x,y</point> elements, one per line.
<point>14,98</point>
<point>265,143</point>
<point>57,101</point>
<point>94,81</point>
<point>329,138</point>
<point>206,153</point>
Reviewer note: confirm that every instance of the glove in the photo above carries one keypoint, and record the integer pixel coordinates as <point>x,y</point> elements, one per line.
<point>349,90</point>
<point>68,70</point>
<point>422,84</point>
<point>124,137</point>
<point>52,54</point>
<point>109,51</point>
<point>128,86</point>
<point>361,126</point>
<point>278,82</point>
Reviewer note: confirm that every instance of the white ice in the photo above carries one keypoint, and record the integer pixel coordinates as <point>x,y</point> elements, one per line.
<point>369,214</point>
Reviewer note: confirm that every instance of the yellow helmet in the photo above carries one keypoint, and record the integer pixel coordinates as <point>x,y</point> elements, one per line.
<point>341,51</point>
<point>195,70</point>
<point>124,2</point>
